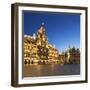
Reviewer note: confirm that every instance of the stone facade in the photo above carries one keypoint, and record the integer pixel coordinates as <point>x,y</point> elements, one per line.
<point>73,55</point>
<point>37,49</point>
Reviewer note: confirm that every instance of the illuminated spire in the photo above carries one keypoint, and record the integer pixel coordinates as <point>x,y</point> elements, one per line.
<point>42,29</point>
<point>34,36</point>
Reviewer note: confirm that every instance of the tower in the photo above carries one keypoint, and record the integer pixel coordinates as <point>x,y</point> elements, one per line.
<point>41,36</point>
<point>34,36</point>
<point>42,43</point>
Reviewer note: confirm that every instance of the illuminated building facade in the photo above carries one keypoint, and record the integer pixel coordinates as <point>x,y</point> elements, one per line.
<point>38,50</point>
<point>73,55</point>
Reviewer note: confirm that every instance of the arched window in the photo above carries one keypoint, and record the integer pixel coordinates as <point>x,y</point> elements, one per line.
<point>25,61</point>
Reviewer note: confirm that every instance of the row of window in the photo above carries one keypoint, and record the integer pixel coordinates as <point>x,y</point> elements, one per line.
<point>28,54</point>
<point>26,47</point>
<point>28,62</point>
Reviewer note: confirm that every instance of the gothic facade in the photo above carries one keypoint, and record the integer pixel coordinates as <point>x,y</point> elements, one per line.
<point>37,49</point>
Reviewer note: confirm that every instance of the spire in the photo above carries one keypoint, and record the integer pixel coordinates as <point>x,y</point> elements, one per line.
<point>42,28</point>
<point>69,46</point>
<point>34,36</point>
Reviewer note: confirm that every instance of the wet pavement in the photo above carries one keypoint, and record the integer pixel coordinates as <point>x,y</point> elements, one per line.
<point>51,70</point>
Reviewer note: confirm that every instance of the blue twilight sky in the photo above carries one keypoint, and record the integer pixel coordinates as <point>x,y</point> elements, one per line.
<point>62,29</point>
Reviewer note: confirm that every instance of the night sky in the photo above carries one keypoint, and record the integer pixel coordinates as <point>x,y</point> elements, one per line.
<point>62,29</point>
